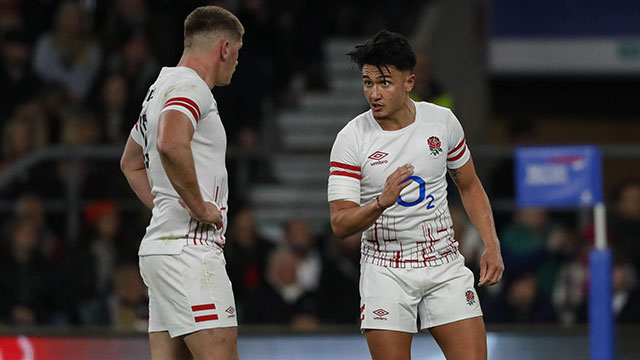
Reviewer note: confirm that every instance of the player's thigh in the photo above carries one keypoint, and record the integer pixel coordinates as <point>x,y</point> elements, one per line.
<point>389,298</point>
<point>389,345</point>
<point>163,347</point>
<point>451,298</point>
<point>462,340</point>
<point>214,344</point>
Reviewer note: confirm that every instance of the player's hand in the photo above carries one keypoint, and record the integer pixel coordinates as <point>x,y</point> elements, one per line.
<point>210,215</point>
<point>491,266</point>
<point>394,184</point>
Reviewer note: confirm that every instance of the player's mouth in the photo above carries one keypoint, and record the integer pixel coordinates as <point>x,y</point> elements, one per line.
<point>376,106</point>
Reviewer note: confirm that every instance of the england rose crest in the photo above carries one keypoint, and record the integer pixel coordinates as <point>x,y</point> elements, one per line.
<point>435,146</point>
<point>471,297</point>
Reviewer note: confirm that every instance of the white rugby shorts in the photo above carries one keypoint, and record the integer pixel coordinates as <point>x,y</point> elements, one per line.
<point>189,291</point>
<point>393,298</point>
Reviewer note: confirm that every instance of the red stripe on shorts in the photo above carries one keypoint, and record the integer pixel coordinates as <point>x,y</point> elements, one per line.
<point>206,318</point>
<point>203,307</point>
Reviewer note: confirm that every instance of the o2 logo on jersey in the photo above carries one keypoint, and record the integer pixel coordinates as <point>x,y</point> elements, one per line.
<point>422,187</point>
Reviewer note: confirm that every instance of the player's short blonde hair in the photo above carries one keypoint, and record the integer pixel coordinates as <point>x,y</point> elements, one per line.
<point>206,20</point>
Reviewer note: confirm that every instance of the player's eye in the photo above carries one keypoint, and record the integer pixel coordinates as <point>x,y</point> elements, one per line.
<point>367,83</point>
<point>386,82</point>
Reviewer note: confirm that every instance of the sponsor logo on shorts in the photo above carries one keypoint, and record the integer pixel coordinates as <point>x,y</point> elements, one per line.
<point>362,312</point>
<point>231,311</point>
<point>471,297</point>
<point>381,313</point>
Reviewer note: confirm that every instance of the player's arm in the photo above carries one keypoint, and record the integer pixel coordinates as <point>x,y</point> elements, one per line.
<point>132,166</point>
<point>175,132</point>
<point>477,206</point>
<point>348,218</point>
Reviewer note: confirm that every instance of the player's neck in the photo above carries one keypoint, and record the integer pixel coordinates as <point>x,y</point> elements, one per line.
<point>402,118</point>
<point>200,65</point>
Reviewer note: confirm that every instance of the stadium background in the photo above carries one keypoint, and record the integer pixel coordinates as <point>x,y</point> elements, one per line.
<point>73,76</point>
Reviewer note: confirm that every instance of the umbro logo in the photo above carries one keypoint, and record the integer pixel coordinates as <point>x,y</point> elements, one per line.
<point>231,311</point>
<point>381,313</point>
<point>378,155</point>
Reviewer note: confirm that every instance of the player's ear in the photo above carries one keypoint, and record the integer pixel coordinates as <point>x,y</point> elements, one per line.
<point>411,80</point>
<point>221,50</point>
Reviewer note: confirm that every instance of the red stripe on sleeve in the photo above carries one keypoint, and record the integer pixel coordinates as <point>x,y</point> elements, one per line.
<point>203,307</point>
<point>344,166</point>
<point>192,110</point>
<point>345,173</point>
<point>458,156</point>
<point>457,146</point>
<point>188,101</point>
<point>206,318</point>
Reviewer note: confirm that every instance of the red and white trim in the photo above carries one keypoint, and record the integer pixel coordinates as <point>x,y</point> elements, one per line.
<point>185,103</point>
<point>341,169</point>
<point>458,151</point>
<point>204,312</point>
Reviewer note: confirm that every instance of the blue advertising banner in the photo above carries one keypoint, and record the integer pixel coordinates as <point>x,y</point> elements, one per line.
<point>559,176</point>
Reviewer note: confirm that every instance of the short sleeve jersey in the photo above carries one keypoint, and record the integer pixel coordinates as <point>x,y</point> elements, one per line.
<point>181,89</point>
<point>416,231</point>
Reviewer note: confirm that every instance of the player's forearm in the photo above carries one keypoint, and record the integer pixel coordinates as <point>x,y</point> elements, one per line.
<point>139,183</point>
<point>177,161</point>
<point>348,221</point>
<point>477,206</point>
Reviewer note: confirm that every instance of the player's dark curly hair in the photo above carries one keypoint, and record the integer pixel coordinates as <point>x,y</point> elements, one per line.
<point>386,48</point>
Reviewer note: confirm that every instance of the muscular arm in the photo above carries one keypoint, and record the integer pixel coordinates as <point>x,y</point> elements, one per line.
<point>348,218</point>
<point>476,204</point>
<point>132,166</point>
<point>174,146</point>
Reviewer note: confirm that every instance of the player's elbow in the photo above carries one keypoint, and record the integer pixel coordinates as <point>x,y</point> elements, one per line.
<point>338,229</point>
<point>167,146</point>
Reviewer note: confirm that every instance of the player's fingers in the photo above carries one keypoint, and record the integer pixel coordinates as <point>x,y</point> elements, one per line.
<point>489,277</point>
<point>404,184</point>
<point>483,271</point>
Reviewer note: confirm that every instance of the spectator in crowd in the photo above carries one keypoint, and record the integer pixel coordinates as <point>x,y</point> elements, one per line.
<point>19,82</point>
<point>282,299</point>
<point>532,243</point>
<point>23,133</point>
<point>246,253</point>
<point>30,207</point>
<point>522,303</point>
<point>426,87</point>
<point>340,278</point>
<point>624,221</point>
<point>27,280</point>
<point>114,116</point>
<point>68,55</point>
<point>300,239</point>
<point>570,291</point>
<point>121,19</point>
<point>129,306</point>
<point>91,265</point>
<point>135,61</point>
<point>626,293</point>
<point>54,101</point>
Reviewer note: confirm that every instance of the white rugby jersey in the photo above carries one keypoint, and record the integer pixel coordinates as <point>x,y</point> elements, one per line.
<point>416,231</point>
<point>171,227</point>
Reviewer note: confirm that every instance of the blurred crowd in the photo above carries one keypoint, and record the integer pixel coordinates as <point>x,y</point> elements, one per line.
<point>75,73</point>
